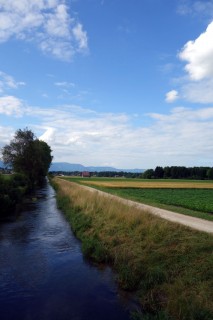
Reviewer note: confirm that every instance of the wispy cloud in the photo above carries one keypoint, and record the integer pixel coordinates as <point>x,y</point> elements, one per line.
<point>46,23</point>
<point>8,82</point>
<point>201,8</point>
<point>64,84</point>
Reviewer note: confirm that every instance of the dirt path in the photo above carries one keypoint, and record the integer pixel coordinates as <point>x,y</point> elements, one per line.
<point>192,222</point>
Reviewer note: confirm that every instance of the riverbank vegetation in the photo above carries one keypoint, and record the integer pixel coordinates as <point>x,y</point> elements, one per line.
<point>28,155</point>
<point>29,158</point>
<point>168,265</point>
<point>12,190</point>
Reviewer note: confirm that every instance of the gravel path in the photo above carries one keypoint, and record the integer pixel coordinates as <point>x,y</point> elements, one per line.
<point>192,222</point>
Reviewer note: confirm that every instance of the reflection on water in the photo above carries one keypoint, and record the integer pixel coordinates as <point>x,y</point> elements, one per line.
<point>43,274</point>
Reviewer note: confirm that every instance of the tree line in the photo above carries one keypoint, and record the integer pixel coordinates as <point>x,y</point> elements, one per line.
<point>29,159</point>
<point>104,174</point>
<point>179,172</point>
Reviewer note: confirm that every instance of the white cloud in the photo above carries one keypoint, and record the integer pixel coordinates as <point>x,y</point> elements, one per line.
<point>197,85</point>
<point>10,105</point>
<point>8,82</point>
<point>181,137</point>
<point>75,134</point>
<point>80,36</point>
<point>199,92</point>
<point>199,55</point>
<point>6,135</point>
<point>197,8</point>
<point>171,96</point>
<point>65,84</point>
<point>48,135</point>
<point>44,22</point>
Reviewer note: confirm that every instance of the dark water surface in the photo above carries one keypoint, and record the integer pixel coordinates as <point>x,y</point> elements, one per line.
<point>43,274</point>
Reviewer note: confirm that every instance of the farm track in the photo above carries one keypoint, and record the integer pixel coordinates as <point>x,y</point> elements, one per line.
<point>192,222</point>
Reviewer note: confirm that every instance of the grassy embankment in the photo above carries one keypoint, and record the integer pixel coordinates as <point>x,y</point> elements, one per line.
<point>193,198</point>
<point>168,265</point>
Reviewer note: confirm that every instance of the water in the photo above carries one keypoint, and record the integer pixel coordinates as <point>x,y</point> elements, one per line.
<point>43,274</point>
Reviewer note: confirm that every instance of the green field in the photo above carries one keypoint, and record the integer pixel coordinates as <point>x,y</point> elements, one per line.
<point>195,202</point>
<point>182,196</point>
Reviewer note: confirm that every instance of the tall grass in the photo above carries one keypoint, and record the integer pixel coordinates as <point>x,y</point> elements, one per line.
<point>170,266</point>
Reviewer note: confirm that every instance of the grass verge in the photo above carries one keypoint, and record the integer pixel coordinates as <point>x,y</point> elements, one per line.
<point>170,266</point>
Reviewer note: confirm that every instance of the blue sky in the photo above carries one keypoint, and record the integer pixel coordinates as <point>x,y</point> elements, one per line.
<point>125,83</point>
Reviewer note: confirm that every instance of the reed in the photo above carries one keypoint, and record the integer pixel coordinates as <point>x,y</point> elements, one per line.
<point>169,266</point>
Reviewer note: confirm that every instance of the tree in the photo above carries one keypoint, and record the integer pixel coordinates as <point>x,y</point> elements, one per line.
<point>28,155</point>
<point>159,172</point>
<point>210,173</point>
<point>148,174</point>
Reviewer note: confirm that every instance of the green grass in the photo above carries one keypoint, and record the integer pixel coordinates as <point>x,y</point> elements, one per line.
<point>169,266</point>
<point>6,176</point>
<point>193,202</point>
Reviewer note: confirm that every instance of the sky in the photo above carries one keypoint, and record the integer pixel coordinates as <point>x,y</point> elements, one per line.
<point>122,83</point>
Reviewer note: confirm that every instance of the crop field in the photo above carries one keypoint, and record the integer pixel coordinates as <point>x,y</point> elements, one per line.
<point>194,198</point>
<point>164,184</point>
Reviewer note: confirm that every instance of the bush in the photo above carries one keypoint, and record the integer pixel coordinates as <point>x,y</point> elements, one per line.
<point>12,190</point>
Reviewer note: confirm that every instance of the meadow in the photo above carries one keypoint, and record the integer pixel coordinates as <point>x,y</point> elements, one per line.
<point>168,266</point>
<point>194,198</point>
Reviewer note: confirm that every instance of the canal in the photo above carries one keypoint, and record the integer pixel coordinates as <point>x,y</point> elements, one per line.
<point>43,274</point>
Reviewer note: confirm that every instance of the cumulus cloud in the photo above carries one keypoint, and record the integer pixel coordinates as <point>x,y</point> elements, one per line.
<point>199,55</point>
<point>46,23</point>
<point>197,86</point>
<point>171,96</point>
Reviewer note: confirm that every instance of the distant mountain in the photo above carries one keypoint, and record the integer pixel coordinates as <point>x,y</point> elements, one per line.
<point>69,167</point>
<point>65,166</point>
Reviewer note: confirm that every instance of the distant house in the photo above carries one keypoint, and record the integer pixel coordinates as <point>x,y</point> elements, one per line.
<point>85,174</point>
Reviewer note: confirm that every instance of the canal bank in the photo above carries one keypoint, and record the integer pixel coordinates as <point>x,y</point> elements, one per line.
<point>43,274</point>
<point>168,265</point>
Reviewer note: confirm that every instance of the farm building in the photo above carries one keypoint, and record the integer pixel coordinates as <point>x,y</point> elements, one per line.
<point>85,174</point>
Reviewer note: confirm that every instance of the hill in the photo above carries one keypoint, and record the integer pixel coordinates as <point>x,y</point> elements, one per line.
<point>70,167</point>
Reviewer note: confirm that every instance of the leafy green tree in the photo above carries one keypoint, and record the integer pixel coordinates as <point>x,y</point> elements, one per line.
<point>210,173</point>
<point>148,174</point>
<point>159,172</point>
<point>28,155</point>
